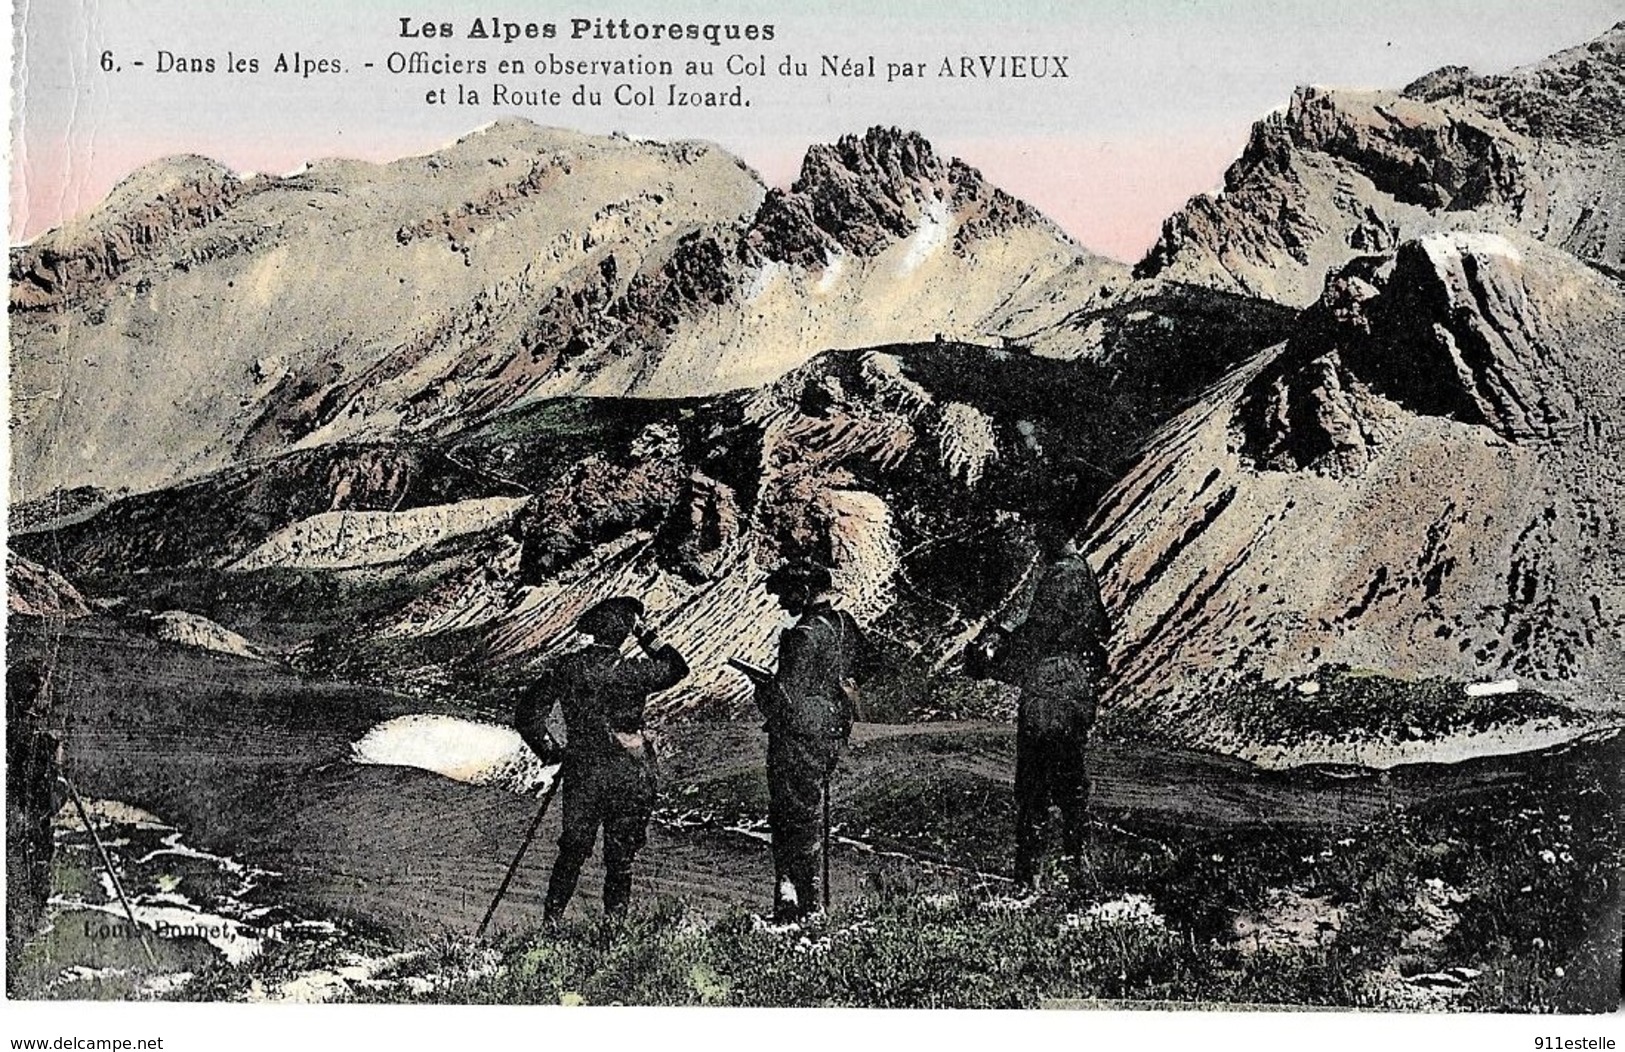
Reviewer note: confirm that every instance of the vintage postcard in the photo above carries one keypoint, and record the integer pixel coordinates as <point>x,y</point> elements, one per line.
<point>857,505</point>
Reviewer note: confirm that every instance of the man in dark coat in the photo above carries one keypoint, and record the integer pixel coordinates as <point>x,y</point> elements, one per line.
<point>609,766</point>
<point>1052,643</point>
<point>810,704</point>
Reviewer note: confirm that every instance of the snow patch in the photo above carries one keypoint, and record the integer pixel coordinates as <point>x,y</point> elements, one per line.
<point>463,750</point>
<point>1446,248</point>
<point>1487,690</point>
<point>928,238</point>
<point>763,280</point>
<point>832,273</point>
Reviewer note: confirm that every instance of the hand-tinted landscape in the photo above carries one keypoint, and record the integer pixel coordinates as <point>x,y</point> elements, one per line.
<point>312,472</point>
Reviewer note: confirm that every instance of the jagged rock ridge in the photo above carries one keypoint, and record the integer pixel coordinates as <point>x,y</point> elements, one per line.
<point>1339,173</point>
<point>351,301</point>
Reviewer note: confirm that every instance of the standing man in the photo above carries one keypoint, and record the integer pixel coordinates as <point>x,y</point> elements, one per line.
<point>1053,644</point>
<point>810,703</point>
<point>609,766</point>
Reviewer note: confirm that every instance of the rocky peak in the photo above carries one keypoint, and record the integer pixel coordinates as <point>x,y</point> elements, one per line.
<point>153,204</point>
<point>1456,333</point>
<point>1445,328</point>
<point>865,193</point>
<point>888,158</point>
<point>1575,96</point>
<point>1440,84</point>
<point>1337,174</point>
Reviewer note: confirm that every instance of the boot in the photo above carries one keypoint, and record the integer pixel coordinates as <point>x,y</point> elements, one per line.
<point>617,893</point>
<point>561,885</point>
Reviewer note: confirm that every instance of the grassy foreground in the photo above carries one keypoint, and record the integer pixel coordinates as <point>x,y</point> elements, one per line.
<point>1509,901</point>
<point>1502,895</point>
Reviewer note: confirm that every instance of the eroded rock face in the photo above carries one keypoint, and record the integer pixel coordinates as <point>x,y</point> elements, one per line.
<point>77,262</point>
<point>192,630</point>
<point>1339,174</point>
<point>220,518</point>
<point>1434,157</point>
<point>1443,328</point>
<point>37,591</point>
<point>1572,96</point>
<point>703,537</point>
<point>864,193</point>
<point>1420,483</point>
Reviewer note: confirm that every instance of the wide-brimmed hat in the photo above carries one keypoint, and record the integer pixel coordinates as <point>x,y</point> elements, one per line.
<point>612,618</point>
<point>799,576</point>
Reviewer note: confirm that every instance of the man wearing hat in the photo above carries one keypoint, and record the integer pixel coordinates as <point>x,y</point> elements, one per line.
<point>810,705</point>
<point>609,766</point>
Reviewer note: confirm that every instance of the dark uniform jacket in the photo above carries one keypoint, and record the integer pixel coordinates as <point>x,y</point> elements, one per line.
<point>822,657</point>
<point>602,695</point>
<point>1057,648</point>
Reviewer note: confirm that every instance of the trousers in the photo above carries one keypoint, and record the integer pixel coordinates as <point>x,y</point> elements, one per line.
<point>1059,698</point>
<point>798,768</point>
<point>1050,772</point>
<point>617,796</point>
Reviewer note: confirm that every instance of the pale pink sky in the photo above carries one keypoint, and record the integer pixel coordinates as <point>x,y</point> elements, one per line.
<point>1112,195</point>
<point>1158,102</point>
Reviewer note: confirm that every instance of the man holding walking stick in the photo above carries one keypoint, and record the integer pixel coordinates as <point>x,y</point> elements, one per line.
<point>810,703</point>
<point>608,773</point>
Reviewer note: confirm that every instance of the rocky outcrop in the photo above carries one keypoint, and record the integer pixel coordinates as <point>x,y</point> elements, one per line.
<point>58,508</point>
<point>33,590</point>
<point>192,630</point>
<point>1421,485</point>
<point>1570,97</point>
<point>1477,358</point>
<point>222,517</point>
<point>702,538</point>
<point>1339,174</point>
<point>468,560</point>
<point>864,193</point>
<point>1351,437</point>
<point>142,216</point>
<point>344,540</point>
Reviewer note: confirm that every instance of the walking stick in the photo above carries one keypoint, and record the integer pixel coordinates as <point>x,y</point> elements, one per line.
<point>535,825</point>
<point>826,843</point>
<point>112,875</point>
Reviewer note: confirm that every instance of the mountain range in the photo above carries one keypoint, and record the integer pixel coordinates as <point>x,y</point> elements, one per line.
<point>198,318</point>
<point>1344,445</point>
